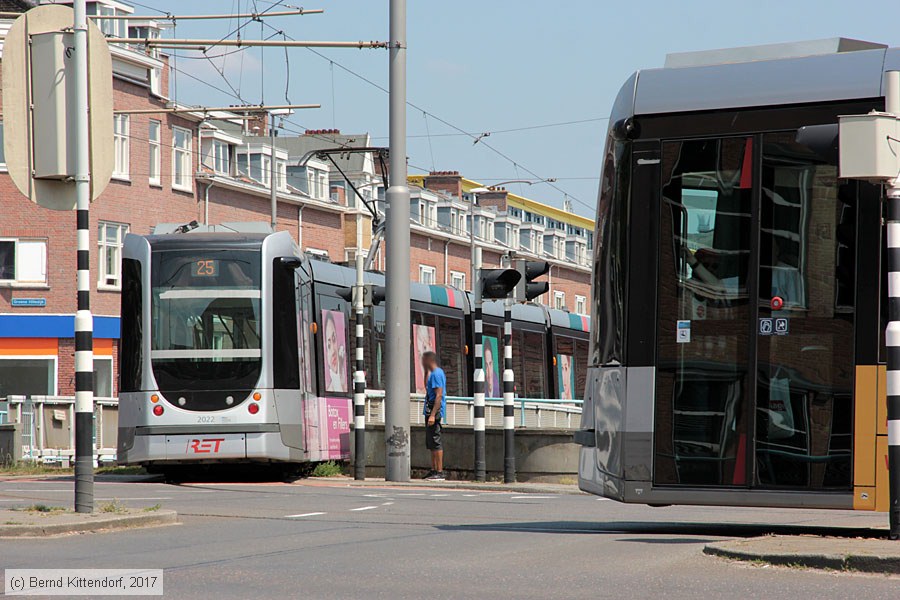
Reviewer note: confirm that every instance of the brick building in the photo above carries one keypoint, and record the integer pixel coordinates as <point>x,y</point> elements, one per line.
<point>179,167</point>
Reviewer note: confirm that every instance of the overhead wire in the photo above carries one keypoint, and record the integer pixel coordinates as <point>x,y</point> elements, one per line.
<point>452,126</point>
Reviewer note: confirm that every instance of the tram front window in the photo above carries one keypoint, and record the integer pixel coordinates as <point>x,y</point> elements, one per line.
<point>206,330</point>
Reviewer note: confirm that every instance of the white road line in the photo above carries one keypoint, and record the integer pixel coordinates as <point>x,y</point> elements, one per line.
<point>470,495</point>
<point>530,497</point>
<point>386,503</point>
<point>67,490</point>
<point>363,508</point>
<point>312,514</point>
<point>124,498</point>
<point>439,495</point>
<point>411,494</point>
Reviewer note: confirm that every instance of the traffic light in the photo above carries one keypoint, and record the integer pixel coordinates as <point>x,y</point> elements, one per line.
<point>373,295</point>
<point>498,283</point>
<point>528,270</point>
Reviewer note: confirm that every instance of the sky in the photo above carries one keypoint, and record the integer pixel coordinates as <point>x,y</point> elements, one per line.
<point>490,66</point>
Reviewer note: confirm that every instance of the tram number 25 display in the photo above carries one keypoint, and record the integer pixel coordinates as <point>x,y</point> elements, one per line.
<point>206,268</point>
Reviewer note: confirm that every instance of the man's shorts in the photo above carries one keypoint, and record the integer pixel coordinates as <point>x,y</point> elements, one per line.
<point>433,435</point>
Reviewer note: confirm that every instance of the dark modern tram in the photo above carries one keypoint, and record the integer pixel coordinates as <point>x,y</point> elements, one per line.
<point>237,348</point>
<point>736,348</point>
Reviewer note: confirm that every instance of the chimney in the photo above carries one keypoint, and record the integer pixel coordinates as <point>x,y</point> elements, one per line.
<point>257,124</point>
<point>449,182</point>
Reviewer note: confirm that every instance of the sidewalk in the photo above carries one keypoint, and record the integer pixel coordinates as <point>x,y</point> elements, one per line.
<point>516,488</point>
<point>869,555</point>
<point>38,524</point>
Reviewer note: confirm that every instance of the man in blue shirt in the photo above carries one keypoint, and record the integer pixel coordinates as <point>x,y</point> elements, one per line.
<point>434,411</point>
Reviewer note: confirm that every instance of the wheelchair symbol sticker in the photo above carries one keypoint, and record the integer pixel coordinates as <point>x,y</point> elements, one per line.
<point>765,327</point>
<point>781,326</point>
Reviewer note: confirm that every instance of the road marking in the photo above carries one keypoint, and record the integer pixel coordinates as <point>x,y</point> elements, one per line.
<point>530,497</point>
<point>411,494</point>
<point>312,514</point>
<point>439,495</point>
<point>123,498</point>
<point>470,495</point>
<point>363,508</point>
<point>386,503</point>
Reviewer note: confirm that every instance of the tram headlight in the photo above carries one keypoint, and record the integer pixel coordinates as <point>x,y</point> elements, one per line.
<point>158,410</point>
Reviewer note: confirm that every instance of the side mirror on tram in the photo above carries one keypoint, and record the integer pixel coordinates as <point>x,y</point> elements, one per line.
<point>822,140</point>
<point>290,262</point>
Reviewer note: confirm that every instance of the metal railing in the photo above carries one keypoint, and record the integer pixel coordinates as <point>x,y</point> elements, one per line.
<point>537,413</point>
<point>48,427</point>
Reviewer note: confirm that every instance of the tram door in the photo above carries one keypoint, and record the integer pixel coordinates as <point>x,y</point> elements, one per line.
<point>755,316</point>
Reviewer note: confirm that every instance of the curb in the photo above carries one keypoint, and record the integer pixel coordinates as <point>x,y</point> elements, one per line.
<point>454,485</point>
<point>92,523</point>
<point>838,562</point>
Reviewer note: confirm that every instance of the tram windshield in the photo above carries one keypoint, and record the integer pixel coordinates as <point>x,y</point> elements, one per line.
<point>206,330</point>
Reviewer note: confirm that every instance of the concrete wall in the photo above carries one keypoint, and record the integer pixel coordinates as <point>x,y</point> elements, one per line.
<point>544,455</point>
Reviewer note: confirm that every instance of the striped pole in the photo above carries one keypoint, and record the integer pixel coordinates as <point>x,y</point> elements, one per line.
<point>478,383</point>
<point>509,389</point>
<point>84,324</point>
<point>359,380</point>
<point>892,338</point>
<point>892,335</point>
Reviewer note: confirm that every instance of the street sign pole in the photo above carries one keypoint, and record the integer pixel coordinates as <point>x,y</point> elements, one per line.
<point>397,321</point>
<point>84,327</point>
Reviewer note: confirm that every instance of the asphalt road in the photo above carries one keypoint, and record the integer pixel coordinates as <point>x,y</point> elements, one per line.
<point>313,540</point>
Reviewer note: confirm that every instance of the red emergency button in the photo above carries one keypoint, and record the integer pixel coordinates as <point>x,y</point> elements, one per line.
<point>776,303</point>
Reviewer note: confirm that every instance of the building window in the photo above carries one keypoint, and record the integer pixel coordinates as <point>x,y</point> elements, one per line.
<point>181,159</point>
<point>154,138</point>
<point>580,305</point>
<point>120,146</point>
<point>24,376</point>
<point>221,157</point>
<point>458,280</point>
<point>23,261</point>
<point>427,274</point>
<point>559,300</point>
<point>103,376</point>
<point>281,174</point>
<point>110,237</point>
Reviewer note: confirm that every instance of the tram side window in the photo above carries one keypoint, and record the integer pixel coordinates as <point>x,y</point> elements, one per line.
<point>375,346</point>
<point>333,334</point>
<point>580,363</point>
<point>450,353</point>
<point>424,339</point>
<point>131,360</point>
<point>492,344</point>
<point>529,364</point>
<point>565,374</point>
<point>306,339</point>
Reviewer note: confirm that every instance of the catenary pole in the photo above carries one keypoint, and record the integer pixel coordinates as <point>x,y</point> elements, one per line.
<point>84,337</point>
<point>509,388</point>
<point>359,377</point>
<point>478,375</point>
<point>396,425</point>
<point>273,176</point>
<point>892,335</point>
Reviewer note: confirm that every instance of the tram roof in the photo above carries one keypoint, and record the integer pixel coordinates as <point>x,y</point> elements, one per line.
<point>840,75</point>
